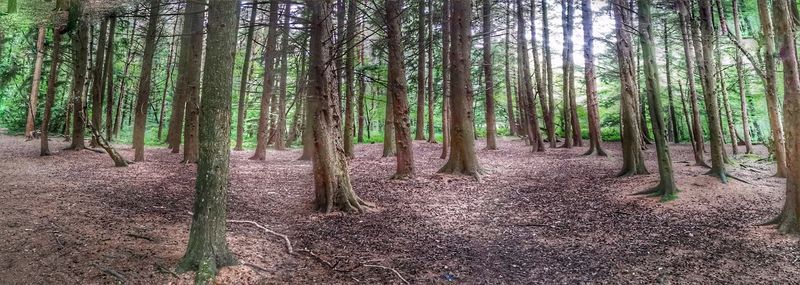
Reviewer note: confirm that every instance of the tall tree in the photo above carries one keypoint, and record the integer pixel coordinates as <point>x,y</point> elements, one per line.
<point>463,159</point>
<point>280,130</point>
<point>445,78</point>
<point>268,84</point>
<point>525,85</point>
<point>666,187</point>
<point>707,68</point>
<point>540,85</point>
<point>673,129</point>
<point>349,65</point>
<point>740,81</point>
<point>548,66</point>
<point>419,133</point>
<point>52,79</point>
<point>109,74</point>
<point>632,157</point>
<point>431,98</point>
<point>684,20</point>
<point>180,95</point>
<point>491,131</point>
<point>80,55</point>
<point>98,77</point>
<point>37,75</point>
<point>248,53</point>
<point>770,88</point>
<point>145,81</point>
<point>191,118</point>
<point>512,125</point>
<point>571,105</point>
<point>397,90</point>
<point>168,69</point>
<point>332,185</point>
<point>207,250</point>
<point>789,219</point>
<point>591,88</point>
<point>118,119</point>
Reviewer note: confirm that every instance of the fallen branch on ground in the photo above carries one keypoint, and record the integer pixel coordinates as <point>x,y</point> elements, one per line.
<point>388,268</point>
<point>111,272</point>
<point>285,237</point>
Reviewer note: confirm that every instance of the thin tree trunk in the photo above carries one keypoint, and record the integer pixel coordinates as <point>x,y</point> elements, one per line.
<point>770,88</point>
<point>548,67</point>
<point>361,87</point>
<point>512,126</point>
<point>690,58</point>
<point>280,131</point>
<point>168,69</point>
<point>52,79</point>
<point>526,87</point>
<point>540,86</point>
<point>80,56</point>
<point>566,7</point>
<point>97,79</point>
<point>109,80</point>
<point>595,146</point>
<point>491,131</point>
<point>445,78</point>
<point>299,96</point>
<point>420,123</point>
<point>122,91</point>
<point>349,121</point>
<point>268,85</point>
<point>180,96</point>
<point>431,132</point>
<point>248,53</point>
<point>37,75</point>
<point>674,131</point>
<point>207,250</point>
<point>707,68</point>
<point>740,80</point>
<point>388,127</point>
<point>145,81</point>
<point>686,115</point>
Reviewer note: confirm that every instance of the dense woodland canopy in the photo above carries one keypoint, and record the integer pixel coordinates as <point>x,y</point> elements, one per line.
<point>208,77</point>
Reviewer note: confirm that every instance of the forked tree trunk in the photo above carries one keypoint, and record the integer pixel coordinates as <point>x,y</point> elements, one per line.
<point>248,53</point>
<point>97,79</point>
<point>193,72</point>
<point>52,79</point>
<point>789,219</point>
<point>595,139</point>
<point>145,81</point>
<point>690,59</point>
<point>109,80</point>
<point>666,187</point>
<point>33,103</point>
<point>349,66</point>
<point>707,68</point>
<point>512,125</point>
<point>770,89</point>
<point>332,186</point>
<point>526,87</point>
<point>397,88</point>
<point>419,132</point>
<point>207,250</point>
<point>748,145</point>
<point>280,130</point>
<point>268,84</point>
<point>80,55</point>
<point>632,157</point>
<point>463,159</point>
<point>445,78</point>
<point>491,131</point>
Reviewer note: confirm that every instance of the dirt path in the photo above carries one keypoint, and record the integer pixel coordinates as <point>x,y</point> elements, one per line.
<point>556,217</point>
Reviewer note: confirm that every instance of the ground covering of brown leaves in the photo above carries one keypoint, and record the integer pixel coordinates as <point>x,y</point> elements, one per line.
<point>553,217</point>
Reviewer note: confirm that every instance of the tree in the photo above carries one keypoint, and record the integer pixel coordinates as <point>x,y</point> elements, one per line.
<point>707,69</point>
<point>332,186</point>
<point>740,80</point>
<point>207,250</point>
<point>248,53</point>
<point>37,75</point>
<point>145,80</point>
<point>397,91</point>
<point>193,72</point>
<point>540,86</point>
<point>109,80</point>
<point>666,187</point>
<point>788,221</point>
<point>572,124</point>
<point>445,78</point>
<point>591,89</point>
<point>512,125</point>
<point>179,97</point>
<point>632,157</point>
<point>420,123</point>
<point>349,121</point>
<point>548,63</point>
<point>123,91</point>
<point>268,83</point>
<point>689,55</point>
<point>491,132</point>
<point>673,129</point>
<point>168,69</point>
<point>770,89</point>
<point>80,55</point>
<point>389,133</point>
<point>98,77</point>
<point>52,79</point>
<point>431,98</point>
<point>526,87</point>
<point>463,159</point>
<point>280,131</point>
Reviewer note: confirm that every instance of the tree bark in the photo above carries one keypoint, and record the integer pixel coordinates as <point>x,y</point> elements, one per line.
<point>397,90</point>
<point>690,57</point>
<point>248,53</point>
<point>97,79</point>
<point>431,99</point>
<point>748,145</point>
<point>566,65</point>
<point>770,89</point>
<point>145,81</point>
<point>632,157</point>
<point>80,56</point>
<point>548,66</point>
<point>445,78</point>
<point>332,185</point>
<point>674,131</point>
<point>526,87</point>
<point>595,146</point>
<point>52,80</point>
<point>491,131</point>
<point>512,125</point>
<point>280,131</point>
<point>569,68</point>
<point>207,250</point>
<point>193,72</point>
<point>361,87</point>
<point>170,57</point>
<point>420,123</point>
<point>463,159</point>
<point>118,119</point>
<point>268,85</point>
<point>541,86</point>
<point>109,80</point>
<point>349,65</point>
<point>180,96</point>
<point>707,68</point>
<point>37,75</point>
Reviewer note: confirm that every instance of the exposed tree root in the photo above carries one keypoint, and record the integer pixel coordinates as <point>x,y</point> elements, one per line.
<point>631,172</point>
<point>667,193</point>
<point>594,150</point>
<point>722,175</point>
<point>285,238</point>
<point>785,224</point>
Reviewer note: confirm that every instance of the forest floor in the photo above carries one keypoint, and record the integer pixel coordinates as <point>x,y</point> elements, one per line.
<point>553,217</point>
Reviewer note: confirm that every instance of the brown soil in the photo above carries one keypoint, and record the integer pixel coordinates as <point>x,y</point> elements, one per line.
<point>554,217</point>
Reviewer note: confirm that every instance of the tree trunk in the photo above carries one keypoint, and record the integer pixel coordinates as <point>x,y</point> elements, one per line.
<point>299,96</point>
<point>207,250</point>
<point>349,121</point>
<point>37,75</point>
<point>566,7</point>
<point>686,114</point>
<point>193,72</point>
<point>548,67</point>
<point>540,86</point>
<point>248,53</point>
<point>361,88</point>
<point>180,96</point>
<point>491,131</point>
<point>690,57</point>
<point>445,78</point>
<point>420,123</point>
<point>109,80</point>
<point>788,221</point>
<point>388,127</point>
<point>707,68</point>
<point>122,91</point>
<point>570,67</point>
<point>431,133</point>
<point>748,145</point>
<point>632,157</point>
<point>280,131</point>
<point>397,90</point>
<point>332,185</point>
<point>591,86</point>
<point>463,159</point>
<point>52,79</point>
<point>512,125</point>
<point>526,87</point>
<point>97,81</point>
<point>770,88</point>
<point>666,187</point>
<point>674,131</point>
<point>268,84</point>
<point>80,55</point>
<point>145,80</point>
<point>170,57</point>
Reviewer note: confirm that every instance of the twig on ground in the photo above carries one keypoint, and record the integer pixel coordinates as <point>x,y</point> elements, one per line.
<point>388,268</point>
<point>285,237</point>
<point>141,237</point>
<point>111,272</point>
